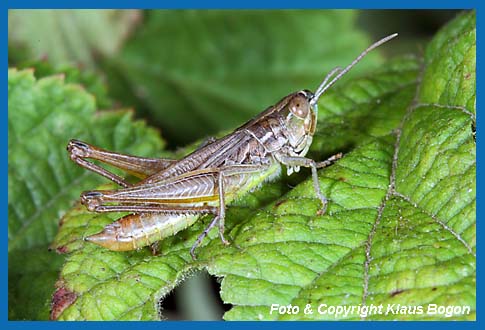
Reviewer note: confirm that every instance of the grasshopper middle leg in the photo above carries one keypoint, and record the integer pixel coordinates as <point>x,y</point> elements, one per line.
<point>219,217</point>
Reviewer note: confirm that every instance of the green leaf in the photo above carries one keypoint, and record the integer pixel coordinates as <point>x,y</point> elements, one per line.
<point>70,36</point>
<point>43,183</point>
<point>223,66</point>
<point>92,82</point>
<point>403,224</point>
<point>450,60</point>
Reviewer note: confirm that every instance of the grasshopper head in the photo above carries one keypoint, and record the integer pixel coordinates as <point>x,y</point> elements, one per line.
<point>302,106</point>
<point>301,120</point>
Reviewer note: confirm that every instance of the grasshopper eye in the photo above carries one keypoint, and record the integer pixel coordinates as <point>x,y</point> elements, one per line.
<point>299,106</point>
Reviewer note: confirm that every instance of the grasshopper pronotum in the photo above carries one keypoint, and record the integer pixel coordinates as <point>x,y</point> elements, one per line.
<point>173,193</point>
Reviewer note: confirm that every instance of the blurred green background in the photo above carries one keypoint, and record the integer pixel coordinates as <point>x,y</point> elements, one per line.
<point>195,73</point>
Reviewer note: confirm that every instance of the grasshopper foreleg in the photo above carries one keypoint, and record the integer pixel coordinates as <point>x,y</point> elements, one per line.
<point>307,162</point>
<point>329,161</point>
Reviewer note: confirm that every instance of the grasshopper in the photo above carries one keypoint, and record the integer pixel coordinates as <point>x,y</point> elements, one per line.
<point>172,194</point>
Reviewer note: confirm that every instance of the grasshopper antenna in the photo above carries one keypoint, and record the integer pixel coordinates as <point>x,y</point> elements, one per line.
<point>338,72</point>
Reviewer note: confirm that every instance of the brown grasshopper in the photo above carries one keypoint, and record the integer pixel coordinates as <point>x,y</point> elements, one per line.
<point>172,194</point>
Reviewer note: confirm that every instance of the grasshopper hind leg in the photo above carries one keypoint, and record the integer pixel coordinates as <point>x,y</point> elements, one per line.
<point>140,167</point>
<point>79,151</point>
<point>154,221</point>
